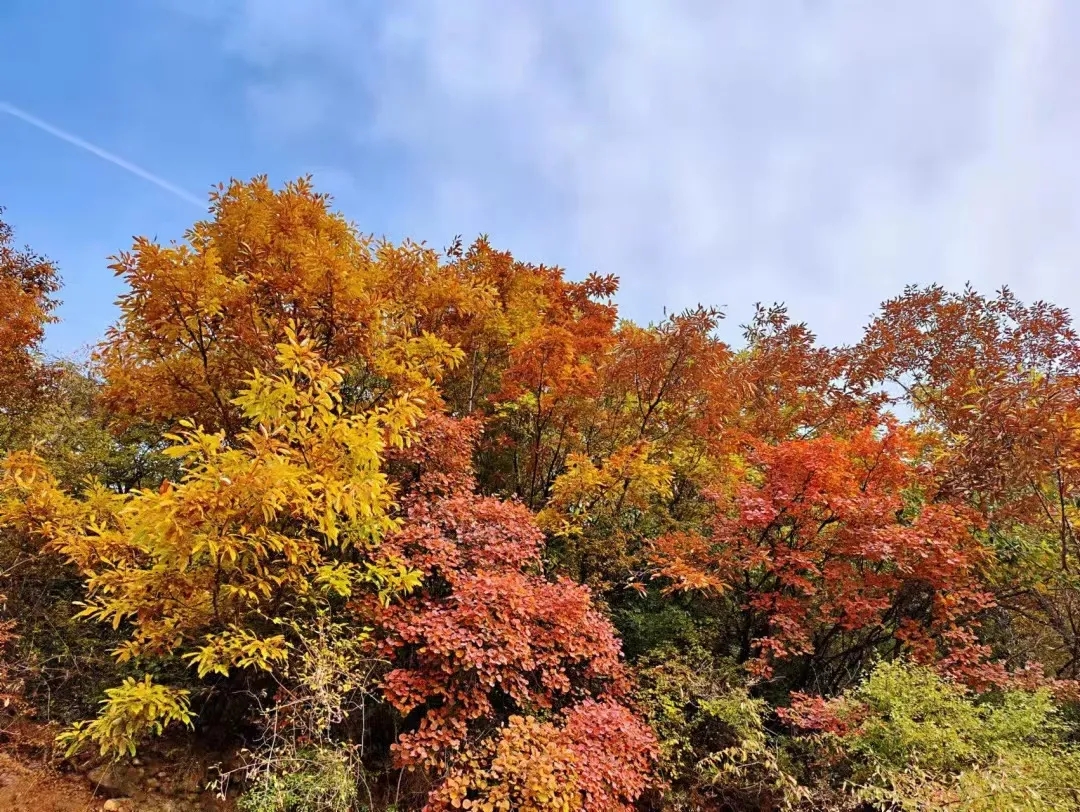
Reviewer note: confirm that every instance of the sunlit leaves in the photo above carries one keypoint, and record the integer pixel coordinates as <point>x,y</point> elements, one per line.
<point>238,648</point>
<point>198,566</point>
<point>130,712</point>
<point>829,552</point>
<point>28,283</point>
<point>199,316</point>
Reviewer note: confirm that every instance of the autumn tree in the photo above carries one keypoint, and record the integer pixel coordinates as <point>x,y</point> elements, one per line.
<point>833,549</point>
<point>206,568</point>
<point>994,377</point>
<point>28,284</point>
<point>531,348</point>
<point>647,444</point>
<point>487,641</point>
<point>997,383</point>
<point>200,315</point>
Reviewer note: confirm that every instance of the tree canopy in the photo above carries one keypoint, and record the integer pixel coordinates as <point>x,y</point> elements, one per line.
<point>461,537</point>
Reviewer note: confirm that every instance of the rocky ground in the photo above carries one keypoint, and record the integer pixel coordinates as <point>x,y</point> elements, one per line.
<point>162,779</point>
<point>35,788</point>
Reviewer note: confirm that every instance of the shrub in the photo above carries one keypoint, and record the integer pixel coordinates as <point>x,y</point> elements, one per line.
<point>908,739</point>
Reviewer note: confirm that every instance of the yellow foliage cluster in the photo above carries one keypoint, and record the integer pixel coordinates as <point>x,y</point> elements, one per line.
<point>292,510</point>
<point>527,768</point>
<point>627,480</point>
<point>129,712</point>
<point>198,316</point>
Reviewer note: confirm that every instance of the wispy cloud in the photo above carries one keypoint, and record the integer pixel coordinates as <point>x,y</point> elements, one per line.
<point>95,150</point>
<point>821,152</point>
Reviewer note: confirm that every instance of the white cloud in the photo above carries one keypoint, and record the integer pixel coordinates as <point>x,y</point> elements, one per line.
<point>821,152</point>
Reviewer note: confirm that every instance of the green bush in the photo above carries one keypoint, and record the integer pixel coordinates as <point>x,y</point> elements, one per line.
<point>713,743</point>
<point>908,739</point>
<point>314,779</point>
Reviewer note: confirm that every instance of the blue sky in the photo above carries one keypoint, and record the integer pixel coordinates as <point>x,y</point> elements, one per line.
<point>819,152</point>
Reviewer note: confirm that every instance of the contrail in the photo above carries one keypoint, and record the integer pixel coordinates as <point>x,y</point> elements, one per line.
<point>161,183</point>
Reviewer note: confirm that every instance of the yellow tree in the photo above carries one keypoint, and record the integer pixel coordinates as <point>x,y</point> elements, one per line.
<point>208,568</point>
<point>200,315</point>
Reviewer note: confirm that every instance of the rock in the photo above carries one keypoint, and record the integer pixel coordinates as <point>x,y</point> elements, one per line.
<point>163,774</point>
<point>118,805</point>
<point>107,777</point>
<point>152,783</point>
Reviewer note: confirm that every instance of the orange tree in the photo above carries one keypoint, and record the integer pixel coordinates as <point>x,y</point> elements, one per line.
<point>200,315</point>
<point>997,383</point>
<point>531,345</point>
<point>28,283</point>
<point>832,551</point>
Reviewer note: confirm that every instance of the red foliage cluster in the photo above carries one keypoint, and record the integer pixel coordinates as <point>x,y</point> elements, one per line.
<point>497,639</point>
<point>613,751</point>
<point>487,635</point>
<point>832,546</point>
<point>439,463</point>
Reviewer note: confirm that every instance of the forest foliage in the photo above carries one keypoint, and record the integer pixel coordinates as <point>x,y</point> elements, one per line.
<point>441,530</point>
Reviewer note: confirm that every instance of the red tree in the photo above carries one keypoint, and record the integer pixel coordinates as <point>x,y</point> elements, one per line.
<point>831,548</point>
<point>488,637</point>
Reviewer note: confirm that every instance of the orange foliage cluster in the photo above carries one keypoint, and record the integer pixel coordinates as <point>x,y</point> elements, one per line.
<point>27,285</point>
